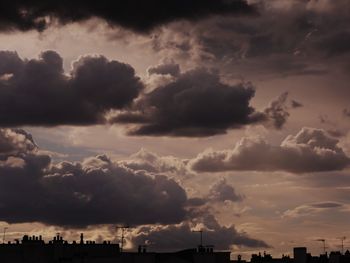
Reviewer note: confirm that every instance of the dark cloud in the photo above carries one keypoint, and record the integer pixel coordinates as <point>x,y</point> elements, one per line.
<point>10,62</point>
<point>96,191</point>
<point>336,132</point>
<point>15,142</point>
<point>222,191</point>
<point>137,15</point>
<point>38,92</point>
<point>181,236</point>
<point>99,191</point>
<point>335,43</point>
<point>346,112</point>
<point>172,69</point>
<point>147,161</point>
<point>333,127</point>
<point>312,209</point>
<point>199,104</point>
<point>311,150</point>
<point>277,111</point>
<point>326,205</point>
<point>196,104</point>
<point>296,104</point>
<point>307,29</point>
<point>299,38</point>
<point>150,162</point>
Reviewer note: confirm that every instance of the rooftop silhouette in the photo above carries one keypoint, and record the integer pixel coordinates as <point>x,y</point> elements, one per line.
<point>33,249</point>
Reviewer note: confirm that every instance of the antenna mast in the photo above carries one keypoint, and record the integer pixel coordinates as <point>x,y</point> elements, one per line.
<point>201,236</point>
<point>324,244</point>
<point>3,237</point>
<point>342,244</point>
<point>123,228</point>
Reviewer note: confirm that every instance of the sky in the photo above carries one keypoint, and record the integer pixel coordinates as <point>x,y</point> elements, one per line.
<point>227,116</point>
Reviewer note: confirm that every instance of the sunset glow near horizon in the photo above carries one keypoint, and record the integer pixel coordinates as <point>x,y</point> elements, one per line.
<point>231,117</point>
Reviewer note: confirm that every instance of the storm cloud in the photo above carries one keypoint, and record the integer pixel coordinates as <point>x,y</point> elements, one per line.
<point>287,38</point>
<point>98,191</point>
<point>171,69</point>
<point>181,236</point>
<point>199,104</point>
<point>38,92</point>
<point>310,150</point>
<point>137,15</point>
<point>95,191</point>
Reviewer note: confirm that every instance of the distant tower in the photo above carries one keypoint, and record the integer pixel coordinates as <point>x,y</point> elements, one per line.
<point>81,238</point>
<point>300,255</point>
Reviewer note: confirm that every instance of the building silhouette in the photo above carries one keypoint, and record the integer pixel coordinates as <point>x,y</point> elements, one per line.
<point>300,255</point>
<point>34,250</point>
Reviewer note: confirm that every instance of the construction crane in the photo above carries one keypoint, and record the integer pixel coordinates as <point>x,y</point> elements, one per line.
<point>123,228</point>
<point>201,236</point>
<point>324,244</point>
<point>342,244</point>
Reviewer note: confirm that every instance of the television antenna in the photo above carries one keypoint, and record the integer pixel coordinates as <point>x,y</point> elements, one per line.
<point>324,244</point>
<point>342,244</point>
<point>3,237</point>
<point>201,235</point>
<point>122,228</point>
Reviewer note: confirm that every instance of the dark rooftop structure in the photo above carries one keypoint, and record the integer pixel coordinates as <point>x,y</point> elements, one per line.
<point>33,249</point>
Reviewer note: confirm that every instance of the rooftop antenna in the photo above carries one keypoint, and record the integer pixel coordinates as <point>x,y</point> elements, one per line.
<point>3,237</point>
<point>342,244</point>
<point>123,228</point>
<point>324,244</point>
<point>201,235</point>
